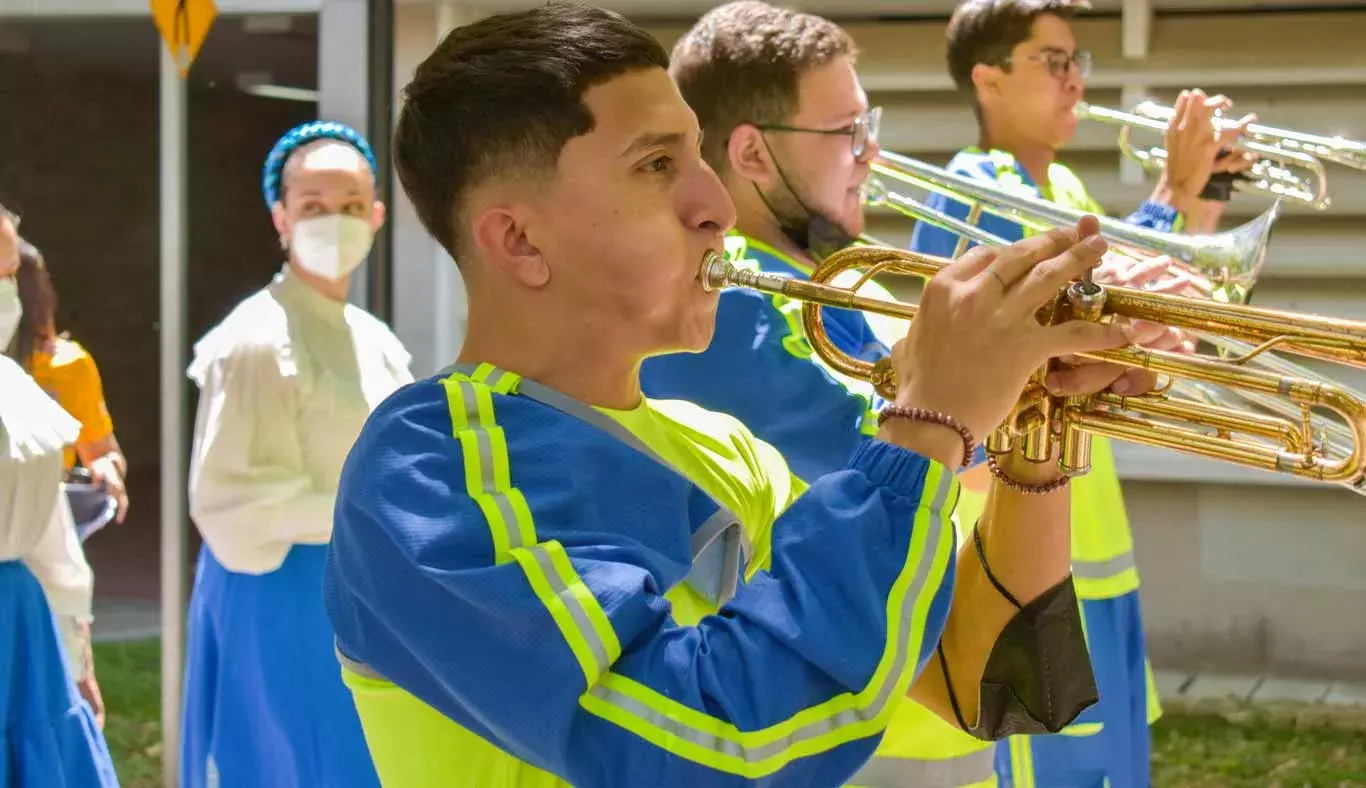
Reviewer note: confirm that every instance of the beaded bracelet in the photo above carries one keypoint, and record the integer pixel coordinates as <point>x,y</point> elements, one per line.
<point>1021,487</point>
<point>934,417</point>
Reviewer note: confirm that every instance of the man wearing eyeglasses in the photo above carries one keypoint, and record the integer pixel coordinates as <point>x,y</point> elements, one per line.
<point>789,130</point>
<point>1020,64</point>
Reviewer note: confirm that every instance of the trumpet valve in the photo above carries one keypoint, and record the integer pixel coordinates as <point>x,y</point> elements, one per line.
<point>1000,441</point>
<point>1074,455</point>
<point>1030,412</point>
<point>1086,299</point>
<point>1033,423</point>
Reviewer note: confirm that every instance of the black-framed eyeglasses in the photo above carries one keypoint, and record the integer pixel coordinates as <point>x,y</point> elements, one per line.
<point>1058,63</point>
<point>864,128</point>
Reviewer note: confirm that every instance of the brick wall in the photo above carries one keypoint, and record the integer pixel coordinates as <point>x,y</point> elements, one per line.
<point>78,151</point>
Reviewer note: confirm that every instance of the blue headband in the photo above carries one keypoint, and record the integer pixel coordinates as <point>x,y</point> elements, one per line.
<point>302,135</point>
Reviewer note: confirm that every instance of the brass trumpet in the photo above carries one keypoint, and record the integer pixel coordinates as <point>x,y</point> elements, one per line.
<point>1290,163</point>
<point>1048,428</point>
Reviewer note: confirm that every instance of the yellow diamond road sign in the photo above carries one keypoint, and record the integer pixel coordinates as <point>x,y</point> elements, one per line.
<point>184,24</point>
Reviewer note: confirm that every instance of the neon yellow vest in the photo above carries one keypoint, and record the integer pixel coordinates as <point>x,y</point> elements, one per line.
<point>1102,547</point>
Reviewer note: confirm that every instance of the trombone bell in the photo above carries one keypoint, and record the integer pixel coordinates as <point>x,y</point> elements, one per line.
<point>1228,261</point>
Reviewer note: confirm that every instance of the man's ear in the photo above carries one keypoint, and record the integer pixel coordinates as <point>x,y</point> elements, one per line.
<point>500,236</point>
<point>987,81</point>
<point>749,156</point>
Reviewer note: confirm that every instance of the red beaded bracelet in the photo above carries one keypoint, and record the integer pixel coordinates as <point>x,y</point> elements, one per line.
<point>1021,487</point>
<point>934,417</point>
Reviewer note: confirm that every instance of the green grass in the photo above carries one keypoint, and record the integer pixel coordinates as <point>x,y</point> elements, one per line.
<point>130,680</point>
<point>1238,748</point>
<point>1246,747</point>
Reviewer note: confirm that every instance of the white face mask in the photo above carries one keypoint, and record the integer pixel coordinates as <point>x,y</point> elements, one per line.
<point>331,246</point>
<point>11,311</point>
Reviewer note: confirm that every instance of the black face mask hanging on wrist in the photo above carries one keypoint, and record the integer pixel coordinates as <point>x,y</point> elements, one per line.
<point>1038,678</point>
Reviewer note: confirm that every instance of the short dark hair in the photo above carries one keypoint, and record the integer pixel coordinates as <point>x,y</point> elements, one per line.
<point>986,31</point>
<point>502,96</point>
<point>741,63</point>
<point>38,298</point>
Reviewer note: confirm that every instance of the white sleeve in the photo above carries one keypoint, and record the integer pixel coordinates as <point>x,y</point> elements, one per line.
<point>35,521</point>
<point>59,564</point>
<point>250,495</point>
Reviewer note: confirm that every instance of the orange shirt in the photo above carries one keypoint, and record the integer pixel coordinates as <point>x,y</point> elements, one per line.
<point>70,377</point>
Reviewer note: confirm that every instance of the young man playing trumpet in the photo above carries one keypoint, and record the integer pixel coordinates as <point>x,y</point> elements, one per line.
<point>788,128</point>
<point>1019,63</point>
<point>528,554</point>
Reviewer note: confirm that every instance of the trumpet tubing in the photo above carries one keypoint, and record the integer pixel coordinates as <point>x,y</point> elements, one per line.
<point>1339,150</point>
<point>1275,173</point>
<point>1049,428</point>
<point>1290,163</point>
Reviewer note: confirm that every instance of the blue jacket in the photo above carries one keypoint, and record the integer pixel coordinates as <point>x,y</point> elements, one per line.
<point>513,566</point>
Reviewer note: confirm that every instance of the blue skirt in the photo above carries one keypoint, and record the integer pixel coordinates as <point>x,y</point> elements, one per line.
<point>1116,755</point>
<point>264,701</point>
<point>49,738</point>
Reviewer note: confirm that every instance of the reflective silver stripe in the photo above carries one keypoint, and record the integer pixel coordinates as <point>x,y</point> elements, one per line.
<point>955,772</point>
<point>602,662</point>
<point>484,446</point>
<point>358,668</point>
<point>1103,570</point>
<point>818,727</point>
<point>722,523</point>
<point>494,378</point>
<point>731,562</point>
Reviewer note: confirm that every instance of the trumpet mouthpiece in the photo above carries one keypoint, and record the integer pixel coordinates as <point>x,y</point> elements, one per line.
<point>716,273</point>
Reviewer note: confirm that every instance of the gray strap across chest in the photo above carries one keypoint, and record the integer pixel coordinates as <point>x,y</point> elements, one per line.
<point>721,547</point>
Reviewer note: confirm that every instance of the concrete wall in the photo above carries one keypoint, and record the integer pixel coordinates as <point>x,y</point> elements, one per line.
<point>1252,578</point>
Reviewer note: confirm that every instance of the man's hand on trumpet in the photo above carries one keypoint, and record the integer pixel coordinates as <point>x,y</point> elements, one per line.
<point>986,301</point>
<point>1198,146</point>
<point>1194,141</point>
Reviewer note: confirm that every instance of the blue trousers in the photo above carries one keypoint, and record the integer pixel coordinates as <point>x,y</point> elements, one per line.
<point>264,702</point>
<point>48,736</point>
<point>1116,745</point>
